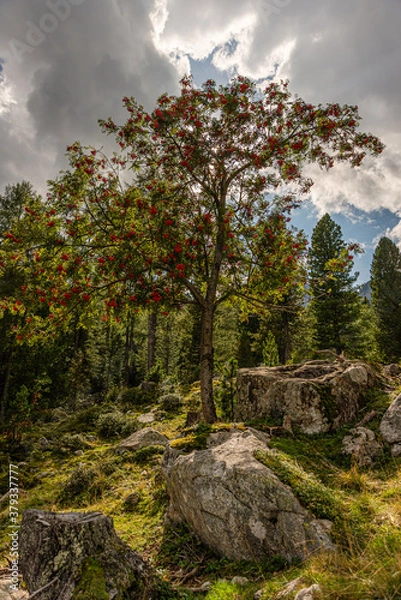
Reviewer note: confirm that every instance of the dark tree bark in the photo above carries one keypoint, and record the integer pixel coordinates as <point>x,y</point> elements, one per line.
<point>152,327</point>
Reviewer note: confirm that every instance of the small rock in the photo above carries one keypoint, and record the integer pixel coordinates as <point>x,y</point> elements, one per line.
<point>326,525</point>
<point>205,587</point>
<point>239,580</point>
<point>79,452</point>
<point>142,439</point>
<point>288,589</point>
<point>392,370</point>
<point>148,386</point>
<point>390,427</point>
<point>91,438</point>
<point>147,418</point>
<point>257,595</point>
<point>396,450</point>
<point>311,593</point>
<point>8,593</point>
<point>361,445</point>
<point>44,444</point>
<point>131,502</point>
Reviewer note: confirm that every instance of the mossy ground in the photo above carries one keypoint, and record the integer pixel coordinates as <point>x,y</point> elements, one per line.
<point>364,505</point>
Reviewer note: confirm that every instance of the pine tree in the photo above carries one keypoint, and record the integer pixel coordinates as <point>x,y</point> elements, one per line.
<point>335,304</point>
<point>386,298</point>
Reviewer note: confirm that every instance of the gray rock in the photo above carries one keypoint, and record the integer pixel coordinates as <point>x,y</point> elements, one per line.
<point>79,452</point>
<point>45,444</point>
<point>131,502</point>
<point>390,427</point>
<point>396,450</point>
<point>393,370</point>
<point>11,591</point>
<point>55,549</point>
<point>237,580</point>
<point>236,505</point>
<point>314,592</point>
<point>288,589</point>
<point>141,439</point>
<point>146,418</point>
<point>361,445</point>
<point>316,396</point>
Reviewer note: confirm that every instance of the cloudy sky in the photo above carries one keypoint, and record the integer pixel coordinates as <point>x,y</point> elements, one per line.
<point>66,63</point>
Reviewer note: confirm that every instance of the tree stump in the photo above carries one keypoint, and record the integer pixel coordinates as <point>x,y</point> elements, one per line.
<point>66,555</point>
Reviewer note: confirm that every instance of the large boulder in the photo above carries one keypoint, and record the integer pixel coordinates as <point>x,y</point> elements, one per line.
<point>390,427</point>
<point>316,396</point>
<point>236,505</point>
<point>65,554</point>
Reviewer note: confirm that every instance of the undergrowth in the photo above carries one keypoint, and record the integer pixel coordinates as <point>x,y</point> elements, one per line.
<point>67,462</point>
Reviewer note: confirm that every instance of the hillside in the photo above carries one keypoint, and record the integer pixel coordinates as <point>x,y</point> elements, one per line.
<point>66,462</point>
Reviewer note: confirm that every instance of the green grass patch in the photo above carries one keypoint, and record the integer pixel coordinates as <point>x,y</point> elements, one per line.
<point>92,583</point>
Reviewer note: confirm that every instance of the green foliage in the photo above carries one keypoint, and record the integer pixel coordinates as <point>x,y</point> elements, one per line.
<point>270,351</point>
<point>335,304</point>
<point>137,397</point>
<point>113,424</point>
<point>85,484</point>
<point>224,590</point>
<point>155,374</point>
<point>312,494</point>
<point>386,298</point>
<point>196,440</point>
<point>91,582</point>
<point>189,346</point>
<point>170,402</point>
<point>74,441</point>
<point>227,394</point>
<point>145,455</point>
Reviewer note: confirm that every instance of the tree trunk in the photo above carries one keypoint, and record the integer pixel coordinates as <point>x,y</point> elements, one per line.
<point>129,361</point>
<point>7,376</point>
<point>286,348</point>
<point>206,364</point>
<point>152,323</point>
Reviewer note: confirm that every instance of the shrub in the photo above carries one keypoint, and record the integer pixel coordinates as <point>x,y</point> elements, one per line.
<point>137,396</point>
<point>113,424</point>
<point>85,483</point>
<point>74,441</point>
<point>146,454</point>
<point>170,402</point>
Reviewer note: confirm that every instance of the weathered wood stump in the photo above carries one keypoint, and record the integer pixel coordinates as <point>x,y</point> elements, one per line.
<point>69,555</point>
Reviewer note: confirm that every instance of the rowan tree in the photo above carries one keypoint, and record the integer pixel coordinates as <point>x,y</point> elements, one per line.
<point>193,207</point>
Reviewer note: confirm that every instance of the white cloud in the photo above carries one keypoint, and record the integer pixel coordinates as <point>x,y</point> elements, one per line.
<point>331,50</point>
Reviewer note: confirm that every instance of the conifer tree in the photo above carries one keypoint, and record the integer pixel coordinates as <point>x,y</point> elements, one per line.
<point>335,303</point>
<point>386,298</point>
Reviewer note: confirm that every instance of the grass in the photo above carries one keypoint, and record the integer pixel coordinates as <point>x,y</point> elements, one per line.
<point>363,504</point>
